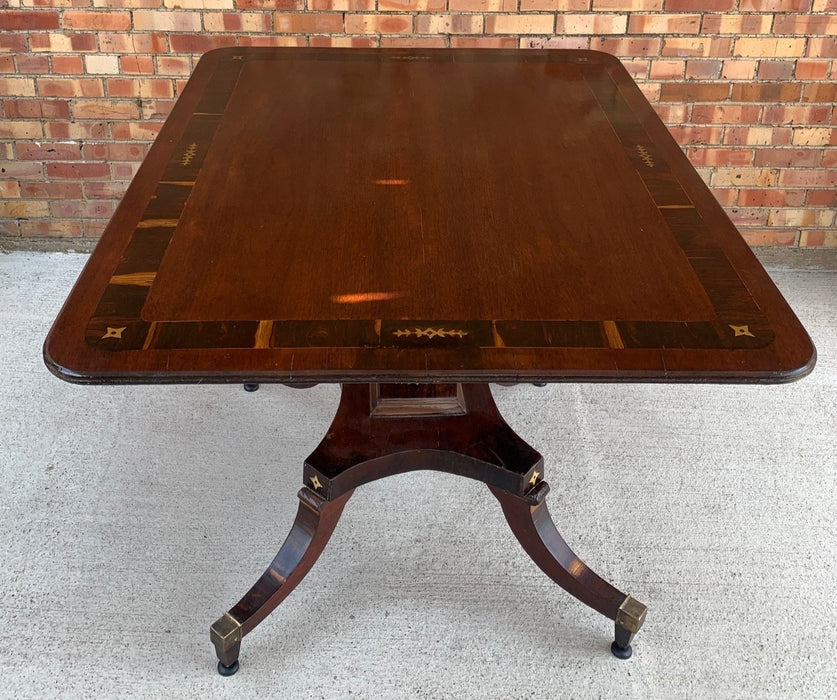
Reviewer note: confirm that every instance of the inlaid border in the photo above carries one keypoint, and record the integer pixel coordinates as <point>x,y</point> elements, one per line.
<point>117,325</point>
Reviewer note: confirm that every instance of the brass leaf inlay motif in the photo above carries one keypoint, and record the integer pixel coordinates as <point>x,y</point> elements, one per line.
<point>534,479</point>
<point>114,332</point>
<point>430,333</point>
<point>315,482</point>
<point>741,330</point>
<point>189,154</point>
<point>645,155</point>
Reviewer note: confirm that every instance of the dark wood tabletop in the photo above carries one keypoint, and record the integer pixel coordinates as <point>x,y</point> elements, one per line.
<point>414,215</point>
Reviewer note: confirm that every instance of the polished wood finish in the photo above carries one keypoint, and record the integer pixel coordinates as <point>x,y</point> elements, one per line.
<point>422,216</point>
<point>413,224</point>
<point>360,447</point>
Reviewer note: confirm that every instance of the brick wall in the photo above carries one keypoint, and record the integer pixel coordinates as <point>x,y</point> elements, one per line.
<point>747,87</point>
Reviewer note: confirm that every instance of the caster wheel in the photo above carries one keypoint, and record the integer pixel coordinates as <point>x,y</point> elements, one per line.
<point>228,670</point>
<point>251,387</point>
<point>619,652</point>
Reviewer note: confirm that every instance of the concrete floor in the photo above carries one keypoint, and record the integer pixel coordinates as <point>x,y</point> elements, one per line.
<point>132,517</point>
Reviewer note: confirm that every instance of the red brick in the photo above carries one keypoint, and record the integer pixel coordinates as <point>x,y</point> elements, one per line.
<point>788,114</point>
<point>140,87</point>
<point>237,22</point>
<point>449,24</point>
<point>412,42</point>
<point>76,130</point>
<point>135,42</point>
<point>757,136</point>
<point>673,113</point>
<point>48,150</point>
<point>173,65</point>
<point>412,5</point>
<point>51,190</point>
<point>20,129</point>
<point>22,171</point>
<point>769,237</point>
<point>247,40</point>
<point>483,42</point>
<point>771,197</point>
<point>70,87</point>
<point>667,70</point>
<point>726,114</point>
<point>273,5</point>
<point>692,135</point>
<point>199,43</point>
<point>775,5</point>
<point>664,24</point>
<point>15,43</point>
<point>9,189</point>
<point>105,190</point>
<point>818,238</point>
<point>555,42</point>
<point>28,19</point>
<point>808,178</point>
<point>805,25</point>
<point>789,157</point>
<point>329,23</point>
<point>820,92</point>
<point>124,171</point>
<point>24,208</point>
<point>51,228</point>
<point>696,46</point>
<point>137,65</point>
<point>739,69</point>
<point>342,5</point>
<point>748,217</point>
<point>108,20</point>
<point>136,131</point>
<point>736,24</point>
<point>78,171</point>
<point>67,65</point>
<point>694,92</point>
<point>724,157</point>
<point>766,92</point>
<point>552,5</point>
<point>703,69</point>
<point>482,5</point>
<point>156,109</point>
<point>822,47</point>
<point>37,109</point>
<point>114,151</point>
<point>105,109</point>
<point>821,198</point>
<point>627,46</point>
<point>590,24</point>
<point>776,70</point>
<point>81,209</point>
<point>811,70</point>
<point>372,24</point>
<point>639,5</point>
<point>94,228</point>
<point>7,64</point>
<point>31,63</point>
<point>354,42</point>
<point>700,5</point>
<point>63,42</point>
<point>800,217</point>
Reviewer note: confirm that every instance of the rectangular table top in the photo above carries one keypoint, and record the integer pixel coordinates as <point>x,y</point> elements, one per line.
<point>420,215</point>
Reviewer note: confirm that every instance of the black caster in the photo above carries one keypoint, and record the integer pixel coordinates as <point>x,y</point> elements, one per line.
<point>251,387</point>
<point>232,668</point>
<point>621,652</point>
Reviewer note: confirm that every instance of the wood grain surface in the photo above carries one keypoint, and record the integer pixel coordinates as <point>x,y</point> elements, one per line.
<point>413,215</point>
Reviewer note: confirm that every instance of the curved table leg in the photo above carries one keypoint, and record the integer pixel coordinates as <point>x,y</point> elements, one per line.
<point>315,521</point>
<point>531,523</point>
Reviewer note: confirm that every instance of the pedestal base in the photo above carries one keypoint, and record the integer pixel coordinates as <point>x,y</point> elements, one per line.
<point>380,430</point>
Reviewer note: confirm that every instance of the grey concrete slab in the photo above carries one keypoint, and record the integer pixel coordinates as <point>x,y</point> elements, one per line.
<point>132,517</point>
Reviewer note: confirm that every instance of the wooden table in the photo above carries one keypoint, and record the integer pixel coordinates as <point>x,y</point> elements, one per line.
<point>415,224</point>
